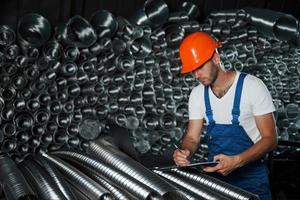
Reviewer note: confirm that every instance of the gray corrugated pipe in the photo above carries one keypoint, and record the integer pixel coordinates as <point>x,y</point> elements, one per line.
<point>153,13</point>
<point>104,23</point>
<point>191,186</point>
<point>78,193</point>
<point>191,9</point>
<point>84,33</point>
<point>128,183</point>
<point>225,13</point>
<point>189,195</point>
<point>110,154</point>
<point>79,180</point>
<point>274,24</point>
<point>33,30</point>
<point>53,50</point>
<point>56,177</point>
<point>216,185</point>
<point>13,182</point>
<point>40,181</point>
<point>114,190</point>
<point>8,35</point>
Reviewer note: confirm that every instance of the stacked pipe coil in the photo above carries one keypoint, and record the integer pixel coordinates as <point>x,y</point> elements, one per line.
<point>59,88</point>
<point>68,174</point>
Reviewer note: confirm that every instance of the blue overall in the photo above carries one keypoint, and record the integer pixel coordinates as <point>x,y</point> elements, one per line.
<point>231,139</point>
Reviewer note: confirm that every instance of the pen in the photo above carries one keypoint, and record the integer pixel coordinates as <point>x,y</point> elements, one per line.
<point>177,148</point>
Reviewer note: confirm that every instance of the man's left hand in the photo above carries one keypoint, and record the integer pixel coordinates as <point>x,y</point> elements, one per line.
<point>226,164</point>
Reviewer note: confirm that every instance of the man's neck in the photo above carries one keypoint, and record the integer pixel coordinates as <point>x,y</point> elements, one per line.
<point>224,79</point>
<point>223,83</point>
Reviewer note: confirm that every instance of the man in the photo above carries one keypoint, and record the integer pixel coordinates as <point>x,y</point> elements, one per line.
<point>238,109</point>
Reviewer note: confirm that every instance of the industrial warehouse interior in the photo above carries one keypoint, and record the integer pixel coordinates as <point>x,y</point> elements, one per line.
<point>97,99</point>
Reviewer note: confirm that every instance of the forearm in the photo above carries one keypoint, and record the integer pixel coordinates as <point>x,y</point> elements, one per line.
<point>258,150</point>
<point>190,144</point>
<point>192,138</point>
<point>266,126</point>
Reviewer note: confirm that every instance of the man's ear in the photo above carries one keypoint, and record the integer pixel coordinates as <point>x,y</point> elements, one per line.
<point>216,58</point>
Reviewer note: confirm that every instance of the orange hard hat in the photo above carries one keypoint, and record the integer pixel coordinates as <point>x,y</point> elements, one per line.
<point>196,49</point>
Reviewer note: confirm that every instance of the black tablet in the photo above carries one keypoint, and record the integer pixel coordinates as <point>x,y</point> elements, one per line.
<point>198,164</point>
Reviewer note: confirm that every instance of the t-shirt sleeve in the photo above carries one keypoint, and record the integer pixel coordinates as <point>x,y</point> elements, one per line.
<point>261,98</point>
<point>195,104</point>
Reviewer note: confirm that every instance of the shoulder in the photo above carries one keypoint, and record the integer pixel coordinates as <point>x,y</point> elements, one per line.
<point>258,96</point>
<point>251,79</point>
<point>253,82</point>
<point>198,90</point>
<point>256,90</point>
<point>196,94</point>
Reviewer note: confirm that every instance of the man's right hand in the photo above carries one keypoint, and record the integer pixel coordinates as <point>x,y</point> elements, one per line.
<point>181,157</point>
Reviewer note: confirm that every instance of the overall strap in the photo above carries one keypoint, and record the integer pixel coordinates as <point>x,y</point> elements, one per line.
<point>237,99</point>
<point>208,109</point>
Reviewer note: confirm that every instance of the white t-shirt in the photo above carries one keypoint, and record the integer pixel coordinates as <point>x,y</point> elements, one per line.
<point>255,100</point>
